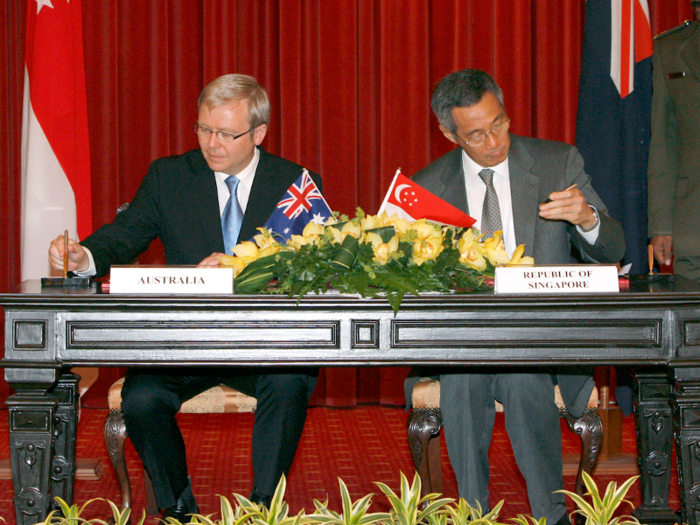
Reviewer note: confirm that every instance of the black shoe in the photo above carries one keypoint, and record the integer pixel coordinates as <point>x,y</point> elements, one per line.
<point>260,499</point>
<point>178,511</point>
<point>184,506</point>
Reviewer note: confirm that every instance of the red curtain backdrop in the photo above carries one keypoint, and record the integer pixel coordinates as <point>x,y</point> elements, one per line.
<point>350,84</point>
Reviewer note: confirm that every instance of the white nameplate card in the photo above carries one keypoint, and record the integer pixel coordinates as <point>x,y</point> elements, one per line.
<point>567,279</point>
<point>170,280</point>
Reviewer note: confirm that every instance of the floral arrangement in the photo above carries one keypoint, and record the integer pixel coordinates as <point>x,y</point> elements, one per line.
<point>369,255</point>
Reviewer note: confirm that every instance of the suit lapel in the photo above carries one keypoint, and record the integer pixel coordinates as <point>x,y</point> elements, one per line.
<point>205,202</point>
<point>524,193</point>
<point>452,187</point>
<point>690,52</point>
<point>271,182</point>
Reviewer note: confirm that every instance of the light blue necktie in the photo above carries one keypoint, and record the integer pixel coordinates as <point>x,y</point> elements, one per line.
<point>232,219</point>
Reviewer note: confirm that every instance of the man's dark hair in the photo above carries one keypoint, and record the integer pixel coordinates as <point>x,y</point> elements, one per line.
<point>462,89</point>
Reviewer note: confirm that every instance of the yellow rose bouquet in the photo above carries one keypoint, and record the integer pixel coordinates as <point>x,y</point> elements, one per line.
<point>370,255</point>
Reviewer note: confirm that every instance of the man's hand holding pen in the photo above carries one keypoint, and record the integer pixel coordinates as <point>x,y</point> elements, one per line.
<point>568,205</point>
<point>77,260</point>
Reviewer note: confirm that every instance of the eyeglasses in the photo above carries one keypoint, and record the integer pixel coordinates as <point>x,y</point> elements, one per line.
<point>479,138</point>
<point>223,136</point>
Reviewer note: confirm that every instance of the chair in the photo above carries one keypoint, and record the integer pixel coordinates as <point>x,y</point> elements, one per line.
<point>425,423</point>
<point>217,400</point>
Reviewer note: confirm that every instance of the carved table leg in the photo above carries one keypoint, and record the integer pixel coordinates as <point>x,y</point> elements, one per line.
<point>687,432</point>
<point>31,422</point>
<point>590,427</point>
<point>115,436</point>
<point>423,425</point>
<point>65,435</point>
<point>654,443</point>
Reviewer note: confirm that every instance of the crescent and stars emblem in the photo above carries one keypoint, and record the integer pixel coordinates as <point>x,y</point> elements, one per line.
<point>400,189</point>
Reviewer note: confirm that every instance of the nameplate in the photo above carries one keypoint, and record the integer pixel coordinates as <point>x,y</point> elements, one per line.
<point>170,280</point>
<point>567,279</point>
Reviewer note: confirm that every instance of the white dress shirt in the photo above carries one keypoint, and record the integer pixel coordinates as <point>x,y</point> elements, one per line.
<point>476,191</point>
<point>247,175</point>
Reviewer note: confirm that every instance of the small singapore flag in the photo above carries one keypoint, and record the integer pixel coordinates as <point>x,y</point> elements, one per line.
<point>410,201</point>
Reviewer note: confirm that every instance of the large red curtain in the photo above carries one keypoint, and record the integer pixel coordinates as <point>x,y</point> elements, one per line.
<point>350,84</point>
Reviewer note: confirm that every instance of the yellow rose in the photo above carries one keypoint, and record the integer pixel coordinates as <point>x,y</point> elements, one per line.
<point>400,225</point>
<point>238,264</point>
<point>492,243</point>
<point>311,235</point>
<point>495,250</point>
<point>382,250</point>
<point>337,236</point>
<point>370,222</point>
<point>424,229</point>
<point>269,250</point>
<point>333,235</point>
<point>427,249</point>
<point>352,229</point>
<point>471,253</point>
<point>518,258</point>
<point>246,249</point>
<point>266,240</point>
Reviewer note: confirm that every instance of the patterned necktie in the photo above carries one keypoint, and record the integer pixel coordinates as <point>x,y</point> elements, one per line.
<point>491,212</point>
<point>232,219</point>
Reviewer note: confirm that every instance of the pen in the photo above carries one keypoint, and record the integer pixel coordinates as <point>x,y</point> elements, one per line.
<point>65,254</point>
<point>550,200</point>
<point>651,259</point>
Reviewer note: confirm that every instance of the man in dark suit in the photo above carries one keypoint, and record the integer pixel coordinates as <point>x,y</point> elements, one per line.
<point>184,200</point>
<point>674,151</point>
<point>537,193</point>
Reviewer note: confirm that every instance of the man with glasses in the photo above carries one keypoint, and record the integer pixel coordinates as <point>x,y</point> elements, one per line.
<point>185,200</point>
<point>674,151</point>
<point>537,193</point>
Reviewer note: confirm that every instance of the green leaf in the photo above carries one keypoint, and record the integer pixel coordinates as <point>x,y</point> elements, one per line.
<point>346,255</point>
<point>601,510</point>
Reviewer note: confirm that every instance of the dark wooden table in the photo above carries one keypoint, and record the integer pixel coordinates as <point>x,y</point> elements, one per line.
<point>653,326</point>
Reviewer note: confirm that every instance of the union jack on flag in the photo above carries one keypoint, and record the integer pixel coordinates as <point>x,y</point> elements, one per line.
<point>300,196</point>
<point>303,203</point>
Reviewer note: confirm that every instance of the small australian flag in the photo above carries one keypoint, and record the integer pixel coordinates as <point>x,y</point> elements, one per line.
<point>303,203</point>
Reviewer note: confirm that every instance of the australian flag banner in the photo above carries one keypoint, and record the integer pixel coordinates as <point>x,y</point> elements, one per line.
<point>614,114</point>
<point>303,203</point>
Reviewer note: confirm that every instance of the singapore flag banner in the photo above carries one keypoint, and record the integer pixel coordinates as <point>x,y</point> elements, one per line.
<point>410,201</point>
<point>56,189</point>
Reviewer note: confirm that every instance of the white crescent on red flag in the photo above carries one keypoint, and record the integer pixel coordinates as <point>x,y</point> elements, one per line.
<point>412,202</point>
<point>56,182</point>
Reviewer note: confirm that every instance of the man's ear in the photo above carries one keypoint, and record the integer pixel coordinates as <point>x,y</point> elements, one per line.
<point>259,134</point>
<point>448,134</point>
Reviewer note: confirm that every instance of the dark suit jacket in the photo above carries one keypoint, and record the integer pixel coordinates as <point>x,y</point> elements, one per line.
<point>674,154</point>
<point>178,202</point>
<point>537,168</point>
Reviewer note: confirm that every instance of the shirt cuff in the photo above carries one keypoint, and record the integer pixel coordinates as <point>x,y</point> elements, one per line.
<point>590,236</point>
<point>92,269</point>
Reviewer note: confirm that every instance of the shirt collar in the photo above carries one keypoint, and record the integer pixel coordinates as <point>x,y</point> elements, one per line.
<point>472,169</point>
<point>246,175</point>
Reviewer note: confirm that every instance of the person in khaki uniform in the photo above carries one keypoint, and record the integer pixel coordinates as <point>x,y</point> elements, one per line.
<point>674,156</point>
